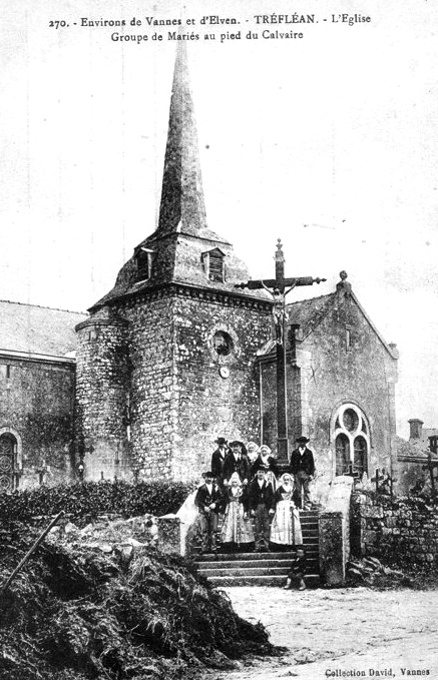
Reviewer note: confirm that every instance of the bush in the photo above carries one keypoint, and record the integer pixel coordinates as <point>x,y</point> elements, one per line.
<point>83,502</point>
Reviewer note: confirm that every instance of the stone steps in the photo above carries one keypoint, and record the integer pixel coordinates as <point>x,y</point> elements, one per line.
<point>265,568</point>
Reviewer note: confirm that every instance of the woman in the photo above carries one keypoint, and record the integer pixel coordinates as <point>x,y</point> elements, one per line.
<point>253,452</point>
<point>267,462</point>
<point>286,525</point>
<point>237,528</point>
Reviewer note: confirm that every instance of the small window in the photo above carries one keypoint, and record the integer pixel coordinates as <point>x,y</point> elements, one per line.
<point>213,263</point>
<point>144,263</point>
<point>223,343</point>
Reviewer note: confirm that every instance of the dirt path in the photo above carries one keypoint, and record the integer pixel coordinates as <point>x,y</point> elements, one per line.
<point>342,633</point>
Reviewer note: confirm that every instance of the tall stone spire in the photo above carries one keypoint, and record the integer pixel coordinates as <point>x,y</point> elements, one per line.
<point>182,207</point>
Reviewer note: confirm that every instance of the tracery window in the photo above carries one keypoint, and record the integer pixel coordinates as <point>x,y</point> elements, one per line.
<point>351,437</point>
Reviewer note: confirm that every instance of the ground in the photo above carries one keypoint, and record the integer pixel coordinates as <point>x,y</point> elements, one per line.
<point>347,632</point>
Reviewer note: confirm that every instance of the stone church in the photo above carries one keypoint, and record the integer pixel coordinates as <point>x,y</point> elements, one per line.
<point>176,355</point>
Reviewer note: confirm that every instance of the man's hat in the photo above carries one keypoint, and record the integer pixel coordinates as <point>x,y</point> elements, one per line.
<point>221,441</point>
<point>302,440</point>
<point>237,443</point>
<point>208,475</point>
<point>263,468</point>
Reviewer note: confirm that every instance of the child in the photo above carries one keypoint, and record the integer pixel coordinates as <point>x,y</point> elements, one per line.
<point>297,570</point>
<point>236,528</point>
<point>208,501</point>
<point>261,504</point>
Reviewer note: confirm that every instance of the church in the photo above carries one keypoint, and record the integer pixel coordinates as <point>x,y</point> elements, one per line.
<point>179,352</point>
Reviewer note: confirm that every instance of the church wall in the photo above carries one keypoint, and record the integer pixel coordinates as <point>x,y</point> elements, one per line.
<point>101,390</point>
<point>328,375</point>
<point>36,407</point>
<point>153,386</point>
<point>363,374</point>
<point>218,395</point>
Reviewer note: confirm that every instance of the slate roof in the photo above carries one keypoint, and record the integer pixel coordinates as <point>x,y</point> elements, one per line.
<point>309,313</point>
<point>37,330</point>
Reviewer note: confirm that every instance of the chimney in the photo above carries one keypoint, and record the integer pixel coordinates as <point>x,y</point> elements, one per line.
<point>416,426</point>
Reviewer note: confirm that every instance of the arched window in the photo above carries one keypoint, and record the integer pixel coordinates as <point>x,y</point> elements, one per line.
<point>351,439</point>
<point>8,462</point>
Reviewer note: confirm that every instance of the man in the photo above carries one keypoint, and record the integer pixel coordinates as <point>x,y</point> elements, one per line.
<point>261,506</point>
<point>218,459</point>
<point>302,467</point>
<point>208,500</point>
<point>237,461</point>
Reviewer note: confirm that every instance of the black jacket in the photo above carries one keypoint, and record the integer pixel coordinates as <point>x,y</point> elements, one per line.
<point>304,462</point>
<point>204,497</point>
<point>217,463</point>
<point>241,466</point>
<point>258,495</point>
<point>259,462</point>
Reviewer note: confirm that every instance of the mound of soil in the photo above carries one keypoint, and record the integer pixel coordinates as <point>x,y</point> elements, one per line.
<point>80,610</point>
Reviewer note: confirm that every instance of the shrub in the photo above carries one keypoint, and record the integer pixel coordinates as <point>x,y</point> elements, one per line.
<point>86,501</point>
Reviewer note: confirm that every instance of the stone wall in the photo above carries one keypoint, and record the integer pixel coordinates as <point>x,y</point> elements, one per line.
<point>403,532</point>
<point>154,392</point>
<point>36,409</point>
<point>102,387</point>
<point>331,371</point>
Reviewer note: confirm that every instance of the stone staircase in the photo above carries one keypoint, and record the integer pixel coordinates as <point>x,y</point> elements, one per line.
<point>268,569</point>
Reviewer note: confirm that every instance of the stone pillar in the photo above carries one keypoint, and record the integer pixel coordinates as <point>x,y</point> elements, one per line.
<point>334,532</point>
<point>331,548</point>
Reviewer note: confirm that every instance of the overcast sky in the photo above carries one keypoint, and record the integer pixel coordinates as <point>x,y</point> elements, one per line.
<point>329,142</point>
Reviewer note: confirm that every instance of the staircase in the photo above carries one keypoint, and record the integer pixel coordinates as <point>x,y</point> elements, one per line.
<point>264,569</point>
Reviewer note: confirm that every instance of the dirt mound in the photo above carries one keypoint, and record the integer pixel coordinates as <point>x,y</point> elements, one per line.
<point>79,610</point>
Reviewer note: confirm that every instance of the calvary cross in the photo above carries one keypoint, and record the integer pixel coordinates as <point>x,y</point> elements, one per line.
<point>279,288</point>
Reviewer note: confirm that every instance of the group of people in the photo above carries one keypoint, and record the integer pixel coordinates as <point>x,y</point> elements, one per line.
<point>259,505</point>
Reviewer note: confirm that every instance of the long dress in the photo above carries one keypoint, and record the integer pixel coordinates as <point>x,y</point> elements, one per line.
<point>286,525</point>
<point>235,528</point>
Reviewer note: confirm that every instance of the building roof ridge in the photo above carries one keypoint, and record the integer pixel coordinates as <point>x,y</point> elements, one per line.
<point>54,309</point>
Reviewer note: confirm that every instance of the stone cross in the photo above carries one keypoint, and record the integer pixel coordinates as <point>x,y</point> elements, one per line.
<point>278,288</point>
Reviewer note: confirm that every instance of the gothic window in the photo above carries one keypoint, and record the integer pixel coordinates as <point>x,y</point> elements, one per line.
<point>351,440</point>
<point>143,258</point>
<point>342,454</point>
<point>213,264</point>
<point>8,448</point>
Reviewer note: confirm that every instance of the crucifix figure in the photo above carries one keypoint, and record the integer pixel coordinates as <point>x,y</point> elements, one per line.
<point>278,288</point>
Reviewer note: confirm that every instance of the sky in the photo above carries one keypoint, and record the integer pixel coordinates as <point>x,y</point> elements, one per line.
<point>329,142</point>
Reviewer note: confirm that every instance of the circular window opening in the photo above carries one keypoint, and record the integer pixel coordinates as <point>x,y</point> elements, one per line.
<point>222,343</point>
<point>351,420</point>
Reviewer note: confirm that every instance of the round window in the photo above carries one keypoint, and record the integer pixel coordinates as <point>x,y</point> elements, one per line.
<point>222,343</point>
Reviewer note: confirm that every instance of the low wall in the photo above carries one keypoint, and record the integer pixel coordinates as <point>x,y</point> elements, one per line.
<point>402,532</point>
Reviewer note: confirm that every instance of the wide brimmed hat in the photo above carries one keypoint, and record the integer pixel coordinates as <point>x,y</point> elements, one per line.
<point>302,440</point>
<point>221,441</point>
<point>208,475</point>
<point>236,443</point>
<point>263,468</point>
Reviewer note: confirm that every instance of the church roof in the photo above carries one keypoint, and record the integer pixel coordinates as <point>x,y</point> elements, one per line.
<point>32,329</point>
<point>308,314</point>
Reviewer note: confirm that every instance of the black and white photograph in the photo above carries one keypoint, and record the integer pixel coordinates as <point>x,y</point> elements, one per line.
<point>218,340</point>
